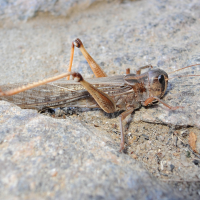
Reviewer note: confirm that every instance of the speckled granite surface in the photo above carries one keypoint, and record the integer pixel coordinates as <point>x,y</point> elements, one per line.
<point>52,158</point>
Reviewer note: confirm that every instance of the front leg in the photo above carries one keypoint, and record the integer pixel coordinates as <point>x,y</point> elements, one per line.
<point>151,99</point>
<point>138,72</point>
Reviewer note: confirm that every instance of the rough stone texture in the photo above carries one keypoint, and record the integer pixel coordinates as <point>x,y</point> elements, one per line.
<point>24,10</point>
<point>153,32</point>
<point>62,159</point>
<point>118,35</point>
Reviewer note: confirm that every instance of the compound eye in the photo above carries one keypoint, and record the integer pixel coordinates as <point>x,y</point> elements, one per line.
<point>161,79</point>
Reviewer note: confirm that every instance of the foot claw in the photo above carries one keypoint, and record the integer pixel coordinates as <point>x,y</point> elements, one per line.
<point>177,107</point>
<point>121,148</point>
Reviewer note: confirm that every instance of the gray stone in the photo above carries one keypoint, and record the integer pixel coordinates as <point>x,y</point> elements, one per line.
<point>55,158</point>
<point>62,159</point>
<point>24,10</point>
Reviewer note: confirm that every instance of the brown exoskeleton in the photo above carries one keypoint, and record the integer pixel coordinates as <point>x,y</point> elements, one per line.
<point>123,92</point>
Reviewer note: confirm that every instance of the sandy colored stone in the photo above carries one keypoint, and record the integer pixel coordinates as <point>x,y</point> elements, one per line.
<point>35,43</point>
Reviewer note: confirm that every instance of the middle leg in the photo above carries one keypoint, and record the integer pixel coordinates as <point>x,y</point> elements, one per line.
<point>121,118</point>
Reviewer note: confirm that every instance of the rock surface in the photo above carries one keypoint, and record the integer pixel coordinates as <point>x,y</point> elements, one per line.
<point>46,157</point>
<point>24,10</point>
<point>62,159</point>
<point>153,32</point>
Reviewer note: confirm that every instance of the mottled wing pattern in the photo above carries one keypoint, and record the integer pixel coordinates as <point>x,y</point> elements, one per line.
<point>66,94</point>
<point>49,95</point>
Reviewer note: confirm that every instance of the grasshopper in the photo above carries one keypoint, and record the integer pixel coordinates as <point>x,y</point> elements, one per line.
<point>123,92</point>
